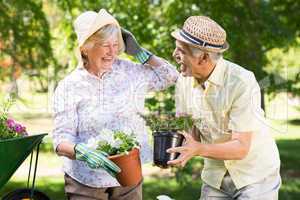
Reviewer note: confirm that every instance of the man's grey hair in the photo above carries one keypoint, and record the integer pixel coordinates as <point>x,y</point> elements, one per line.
<point>196,52</point>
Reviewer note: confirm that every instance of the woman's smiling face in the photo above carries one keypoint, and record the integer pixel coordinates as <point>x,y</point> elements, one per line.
<point>100,50</point>
<point>105,53</point>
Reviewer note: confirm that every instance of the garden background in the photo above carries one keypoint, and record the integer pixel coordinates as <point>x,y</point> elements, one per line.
<point>37,50</point>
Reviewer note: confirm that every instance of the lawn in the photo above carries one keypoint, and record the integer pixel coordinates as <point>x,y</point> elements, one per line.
<point>157,181</point>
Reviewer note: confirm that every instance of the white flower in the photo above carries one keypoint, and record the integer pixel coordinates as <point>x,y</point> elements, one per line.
<point>163,197</point>
<point>116,143</point>
<point>106,135</point>
<point>127,130</point>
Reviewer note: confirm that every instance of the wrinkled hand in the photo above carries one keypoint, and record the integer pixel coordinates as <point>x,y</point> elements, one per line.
<point>133,48</point>
<point>188,150</point>
<point>95,159</point>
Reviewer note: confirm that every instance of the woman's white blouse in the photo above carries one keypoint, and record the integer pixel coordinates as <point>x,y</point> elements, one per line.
<point>85,104</point>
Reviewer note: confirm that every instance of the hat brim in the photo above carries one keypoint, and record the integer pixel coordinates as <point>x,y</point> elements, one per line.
<point>177,36</point>
<point>104,18</point>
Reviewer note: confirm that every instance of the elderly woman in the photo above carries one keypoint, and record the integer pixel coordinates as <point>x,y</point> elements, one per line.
<point>103,92</point>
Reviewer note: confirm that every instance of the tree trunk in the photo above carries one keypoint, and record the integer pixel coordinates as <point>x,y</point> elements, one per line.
<point>13,89</point>
<point>262,92</point>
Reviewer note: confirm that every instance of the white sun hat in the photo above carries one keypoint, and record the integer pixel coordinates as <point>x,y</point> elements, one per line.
<point>87,23</point>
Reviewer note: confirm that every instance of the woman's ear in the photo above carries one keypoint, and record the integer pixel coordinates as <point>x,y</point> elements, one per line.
<point>84,56</point>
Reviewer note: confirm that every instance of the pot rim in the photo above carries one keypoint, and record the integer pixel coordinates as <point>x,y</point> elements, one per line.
<point>133,151</point>
<point>167,133</point>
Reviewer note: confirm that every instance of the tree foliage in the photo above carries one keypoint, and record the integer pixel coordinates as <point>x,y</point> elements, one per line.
<point>24,40</point>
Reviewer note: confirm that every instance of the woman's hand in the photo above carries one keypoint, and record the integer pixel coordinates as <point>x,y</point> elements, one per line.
<point>133,48</point>
<point>95,159</point>
<point>188,150</point>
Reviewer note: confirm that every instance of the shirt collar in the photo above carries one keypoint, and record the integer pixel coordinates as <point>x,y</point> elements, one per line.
<point>217,75</point>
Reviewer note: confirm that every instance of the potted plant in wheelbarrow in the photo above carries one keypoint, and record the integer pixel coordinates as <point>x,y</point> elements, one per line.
<point>165,128</point>
<point>15,146</point>
<point>122,148</point>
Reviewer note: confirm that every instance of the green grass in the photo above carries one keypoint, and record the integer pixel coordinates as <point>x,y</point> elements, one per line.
<point>289,155</point>
<point>290,189</point>
<point>52,186</point>
<point>154,187</point>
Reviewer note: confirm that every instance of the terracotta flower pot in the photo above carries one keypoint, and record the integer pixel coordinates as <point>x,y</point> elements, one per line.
<point>130,165</point>
<point>164,140</point>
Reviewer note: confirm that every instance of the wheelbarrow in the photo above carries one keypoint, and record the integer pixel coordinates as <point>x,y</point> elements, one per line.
<point>12,154</point>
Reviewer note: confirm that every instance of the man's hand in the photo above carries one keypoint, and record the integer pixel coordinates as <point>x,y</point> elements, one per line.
<point>133,48</point>
<point>235,148</point>
<point>187,151</point>
<point>95,159</point>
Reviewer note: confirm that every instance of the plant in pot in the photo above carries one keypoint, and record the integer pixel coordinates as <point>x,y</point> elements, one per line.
<point>165,128</point>
<point>122,148</point>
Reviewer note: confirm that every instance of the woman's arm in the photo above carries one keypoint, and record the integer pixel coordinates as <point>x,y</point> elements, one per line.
<point>155,61</point>
<point>66,149</point>
<point>65,120</point>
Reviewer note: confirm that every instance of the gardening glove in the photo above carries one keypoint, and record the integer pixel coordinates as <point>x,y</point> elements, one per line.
<point>95,159</point>
<point>133,48</point>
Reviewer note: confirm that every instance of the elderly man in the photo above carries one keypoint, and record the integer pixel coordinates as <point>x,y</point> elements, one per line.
<point>241,160</point>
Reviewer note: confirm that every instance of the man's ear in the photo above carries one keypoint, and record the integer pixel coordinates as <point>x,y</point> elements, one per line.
<point>203,59</point>
<point>206,57</point>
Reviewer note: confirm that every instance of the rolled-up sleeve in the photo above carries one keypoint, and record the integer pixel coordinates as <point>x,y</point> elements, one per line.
<point>159,77</point>
<point>65,114</point>
<point>246,108</point>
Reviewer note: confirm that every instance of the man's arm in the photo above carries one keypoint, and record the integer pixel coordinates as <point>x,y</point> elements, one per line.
<point>235,149</point>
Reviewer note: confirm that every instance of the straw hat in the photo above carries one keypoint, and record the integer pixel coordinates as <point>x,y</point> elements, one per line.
<point>204,33</point>
<point>87,23</point>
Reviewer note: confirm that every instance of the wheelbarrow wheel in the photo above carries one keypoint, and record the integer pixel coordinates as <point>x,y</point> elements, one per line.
<point>24,194</point>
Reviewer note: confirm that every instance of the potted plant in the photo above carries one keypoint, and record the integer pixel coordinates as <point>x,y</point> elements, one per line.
<point>122,148</point>
<point>165,129</point>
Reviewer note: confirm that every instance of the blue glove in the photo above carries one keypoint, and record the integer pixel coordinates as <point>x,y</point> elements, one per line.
<point>95,159</point>
<point>133,48</point>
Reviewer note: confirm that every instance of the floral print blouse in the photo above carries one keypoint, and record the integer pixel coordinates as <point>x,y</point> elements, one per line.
<point>85,104</point>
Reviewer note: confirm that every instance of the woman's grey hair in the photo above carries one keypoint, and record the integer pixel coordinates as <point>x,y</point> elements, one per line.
<point>99,37</point>
<point>196,52</point>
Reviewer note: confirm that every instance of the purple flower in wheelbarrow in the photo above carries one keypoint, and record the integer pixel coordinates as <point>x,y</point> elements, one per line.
<point>21,130</point>
<point>10,123</point>
<point>15,127</point>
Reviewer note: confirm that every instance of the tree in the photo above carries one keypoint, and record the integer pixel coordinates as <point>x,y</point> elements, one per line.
<point>24,41</point>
